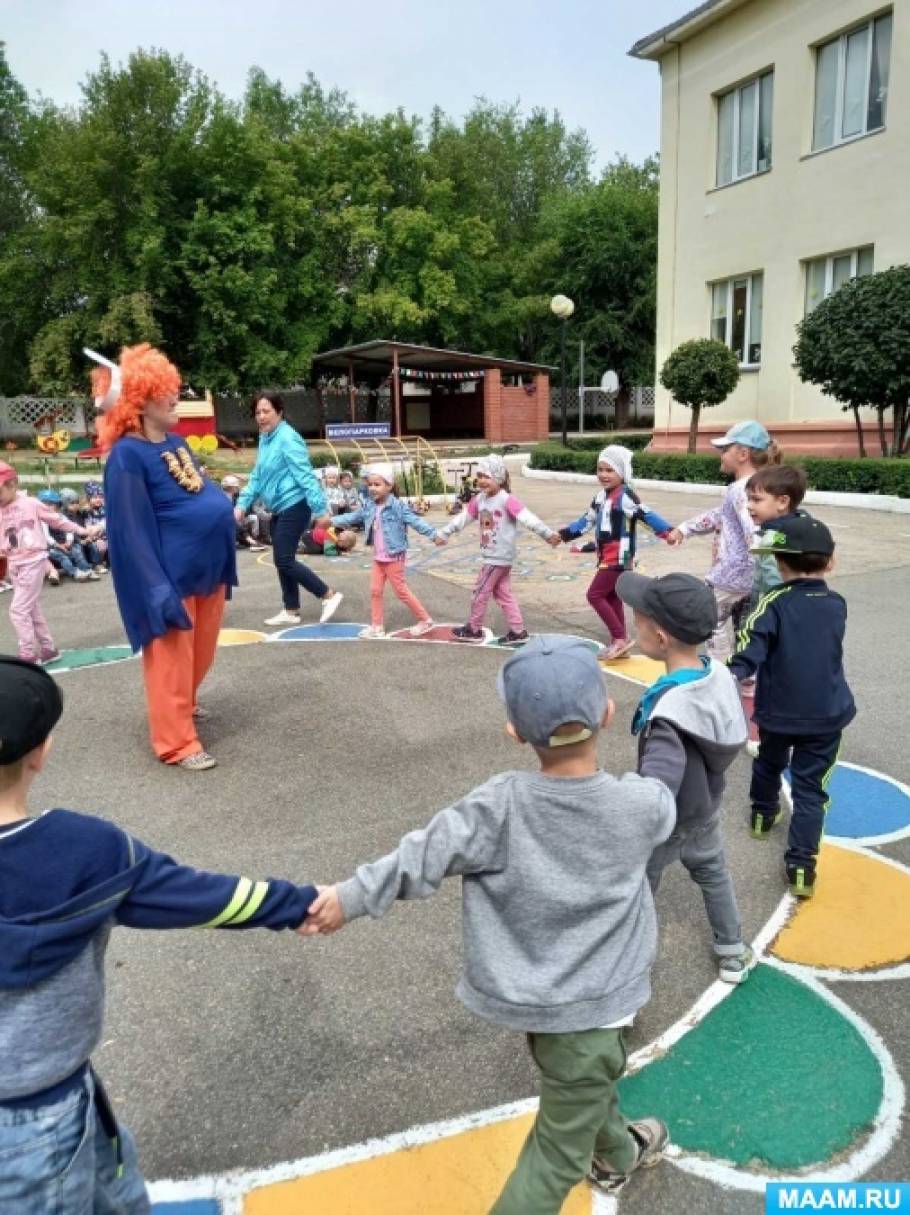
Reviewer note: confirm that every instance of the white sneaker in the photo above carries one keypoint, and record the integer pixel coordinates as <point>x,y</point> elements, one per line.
<point>284,617</point>
<point>330,606</point>
<point>373,632</point>
<point>94,576</point>
<point>421,627</point>
<point>200,762</point>
<point>81,576</point>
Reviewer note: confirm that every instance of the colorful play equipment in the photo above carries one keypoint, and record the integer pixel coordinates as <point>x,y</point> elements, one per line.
<point>409,455</point>
<point>197,417</point>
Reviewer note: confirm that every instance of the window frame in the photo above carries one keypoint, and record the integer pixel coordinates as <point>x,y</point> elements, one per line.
<point>729,283</point>
<point>736,92</point>
<point>842,39</point>
<point>829,259</point>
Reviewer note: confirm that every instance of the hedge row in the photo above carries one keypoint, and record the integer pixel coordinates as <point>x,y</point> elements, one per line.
<point>869,476</point>
<point>636,441</point>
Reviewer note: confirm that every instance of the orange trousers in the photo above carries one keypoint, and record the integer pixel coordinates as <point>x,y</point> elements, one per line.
<point>392,571</point>
<point>174,666</point>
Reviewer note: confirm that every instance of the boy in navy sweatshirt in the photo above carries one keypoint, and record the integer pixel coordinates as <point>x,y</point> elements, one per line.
<point>795,639</point>
<point>66,879</point>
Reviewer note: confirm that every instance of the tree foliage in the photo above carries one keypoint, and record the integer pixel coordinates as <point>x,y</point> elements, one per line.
<point>699,374</point>
<point>856,347</point>
<point>246,235</point>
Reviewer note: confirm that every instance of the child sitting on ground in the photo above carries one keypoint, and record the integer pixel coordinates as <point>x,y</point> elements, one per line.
<point>247,530</point>
<point>558,920</point>
<point>327,541</point>
<point>690,728</point>
<point>794,642</point>
<point>351,498</point>
<point>61,1146</point>
<point>334,494</point>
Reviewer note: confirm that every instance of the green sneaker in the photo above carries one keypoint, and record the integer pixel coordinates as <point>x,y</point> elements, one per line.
<point>762,821</point>
<point>802,880</point>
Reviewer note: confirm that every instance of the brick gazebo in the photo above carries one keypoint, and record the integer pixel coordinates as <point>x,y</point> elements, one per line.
<point>452,394</point>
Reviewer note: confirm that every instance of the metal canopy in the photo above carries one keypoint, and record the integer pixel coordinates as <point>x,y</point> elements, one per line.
<point>381,355</point>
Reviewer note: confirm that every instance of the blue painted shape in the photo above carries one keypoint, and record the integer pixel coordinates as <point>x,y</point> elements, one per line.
<point>189,1206</point>
<point>319,632</point>
<point>863,804</point>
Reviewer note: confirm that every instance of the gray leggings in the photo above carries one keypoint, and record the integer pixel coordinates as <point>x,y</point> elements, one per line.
<point>701,850</point>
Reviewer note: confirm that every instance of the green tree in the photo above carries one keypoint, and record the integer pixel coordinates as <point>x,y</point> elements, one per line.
<point>856,347</point>
<point>700,373</point>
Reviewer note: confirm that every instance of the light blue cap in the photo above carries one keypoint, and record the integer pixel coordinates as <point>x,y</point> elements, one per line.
<point>749,434</point>
<point>551,681</point>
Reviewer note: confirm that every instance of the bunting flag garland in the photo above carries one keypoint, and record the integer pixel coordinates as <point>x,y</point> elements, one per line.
<point>411,373</point>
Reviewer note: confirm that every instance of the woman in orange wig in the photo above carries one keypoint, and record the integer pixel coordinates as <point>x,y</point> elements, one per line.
<point>171,543</point>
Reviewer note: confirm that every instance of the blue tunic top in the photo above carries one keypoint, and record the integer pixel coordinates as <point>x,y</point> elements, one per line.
<point>165,542</point>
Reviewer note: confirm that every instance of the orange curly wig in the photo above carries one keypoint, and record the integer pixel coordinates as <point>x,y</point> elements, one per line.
<point>148,375</point>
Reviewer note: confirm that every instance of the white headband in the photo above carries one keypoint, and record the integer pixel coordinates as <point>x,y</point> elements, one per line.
<point>112,396</point>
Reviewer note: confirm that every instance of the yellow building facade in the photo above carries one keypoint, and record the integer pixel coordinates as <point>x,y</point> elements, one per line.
<point>785,171</point>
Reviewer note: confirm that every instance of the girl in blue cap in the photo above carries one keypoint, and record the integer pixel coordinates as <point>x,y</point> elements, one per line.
<point>744,449</point>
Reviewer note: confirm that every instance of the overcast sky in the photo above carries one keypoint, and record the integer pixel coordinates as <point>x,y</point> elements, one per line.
<point>568,55</point>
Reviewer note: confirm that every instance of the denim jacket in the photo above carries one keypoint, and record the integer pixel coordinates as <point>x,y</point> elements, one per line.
<point>397,517</point>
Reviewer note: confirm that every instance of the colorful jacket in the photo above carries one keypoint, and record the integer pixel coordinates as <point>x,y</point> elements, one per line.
<point>166,542</point>
<point>23,538</point>
<point>283,475</point>
<point>795,641</point>
<point>733,567</point>
<point>53,933</point>
<point>614,514</point>
<point>397,517</point>
<point>499,515</point>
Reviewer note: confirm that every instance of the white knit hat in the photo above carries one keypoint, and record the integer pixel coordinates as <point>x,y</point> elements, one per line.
<point>386,471</point>
<point>619,459</point>
<point>331,468</point>
<point>493,466</point>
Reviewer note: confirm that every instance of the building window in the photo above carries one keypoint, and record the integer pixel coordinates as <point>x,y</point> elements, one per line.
<point>851,83</point>
<point>744,130</point>
<point>824,275</point>
<point>736,308</point>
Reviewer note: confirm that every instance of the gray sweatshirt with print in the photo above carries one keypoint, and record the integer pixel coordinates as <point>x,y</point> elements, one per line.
<point>558,920</point>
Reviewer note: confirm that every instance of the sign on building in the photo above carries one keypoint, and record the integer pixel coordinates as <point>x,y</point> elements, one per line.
<point>358,430</point>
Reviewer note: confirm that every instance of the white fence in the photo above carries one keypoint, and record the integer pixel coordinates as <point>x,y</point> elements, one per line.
<point>18,416</point>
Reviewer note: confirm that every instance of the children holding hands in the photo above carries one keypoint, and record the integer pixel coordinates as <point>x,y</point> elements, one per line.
<point>566,962</point>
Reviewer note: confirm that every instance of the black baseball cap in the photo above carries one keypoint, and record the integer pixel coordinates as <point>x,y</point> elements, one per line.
<point>683,605</point>
<point>797,533</point>
<point>30,707</point>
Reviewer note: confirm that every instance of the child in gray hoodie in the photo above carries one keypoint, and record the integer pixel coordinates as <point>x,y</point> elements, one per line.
<point>690,726</point>
<point>559,925</point>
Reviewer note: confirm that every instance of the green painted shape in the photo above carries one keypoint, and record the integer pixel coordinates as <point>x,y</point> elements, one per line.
<point>773,1076</point>
<point>71,660</point>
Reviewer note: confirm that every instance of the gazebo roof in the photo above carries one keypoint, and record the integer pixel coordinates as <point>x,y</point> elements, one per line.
<point>378,354</point>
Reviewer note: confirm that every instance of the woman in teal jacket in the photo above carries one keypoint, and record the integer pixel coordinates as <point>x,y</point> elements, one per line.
<point>284,481</point>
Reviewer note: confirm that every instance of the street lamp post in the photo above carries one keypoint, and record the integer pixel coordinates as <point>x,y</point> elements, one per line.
<point>562,308</point>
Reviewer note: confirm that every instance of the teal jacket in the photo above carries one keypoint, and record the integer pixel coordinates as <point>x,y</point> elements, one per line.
<point>283,475</point>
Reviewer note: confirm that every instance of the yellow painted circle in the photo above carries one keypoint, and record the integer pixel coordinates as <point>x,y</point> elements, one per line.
<point>208,444</point>
<point>240,636</point>
<point>194,443</point>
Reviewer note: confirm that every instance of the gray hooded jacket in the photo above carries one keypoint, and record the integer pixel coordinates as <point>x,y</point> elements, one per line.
<point>691,738</point>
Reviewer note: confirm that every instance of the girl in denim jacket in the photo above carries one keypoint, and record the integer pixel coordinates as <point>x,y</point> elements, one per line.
<point>385,519</point>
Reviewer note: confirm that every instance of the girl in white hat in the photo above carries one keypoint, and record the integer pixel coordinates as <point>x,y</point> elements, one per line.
<point>385,518</point>
<point>614,513</point>
<point>499,512</point>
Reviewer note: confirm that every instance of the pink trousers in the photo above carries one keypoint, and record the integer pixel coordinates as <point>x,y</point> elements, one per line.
<point>35,640</point>
<point>495,582</point>
<point>393,572</point>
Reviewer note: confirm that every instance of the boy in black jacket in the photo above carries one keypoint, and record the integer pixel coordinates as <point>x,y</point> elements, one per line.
<point>795,637</point>
<point>67,879</point>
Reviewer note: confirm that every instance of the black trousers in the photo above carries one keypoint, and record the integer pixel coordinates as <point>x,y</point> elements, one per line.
<point>811,761</point>
<point>287,528</point>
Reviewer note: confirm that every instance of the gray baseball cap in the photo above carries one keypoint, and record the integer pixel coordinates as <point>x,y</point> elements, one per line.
<point>549,682</point>
<point>683,605</point>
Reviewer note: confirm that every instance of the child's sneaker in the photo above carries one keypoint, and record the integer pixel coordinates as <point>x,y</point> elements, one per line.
<point>464,632</point>
<point>421,627</point>
<point>200,762</point>
<point>513,638</point>
<point>48,656</point>
<point>53,579</point>
<point>93,576</point>
<point>736,969</point>
<point>373,632</point>
<point>81,576</point>
<point>651,1137</point>
<point>761,822</point>
<point>619,649</point>
<point>802,880</point>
